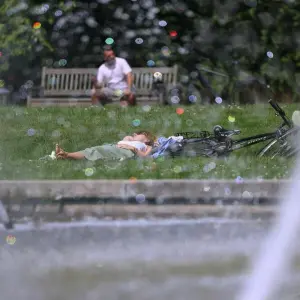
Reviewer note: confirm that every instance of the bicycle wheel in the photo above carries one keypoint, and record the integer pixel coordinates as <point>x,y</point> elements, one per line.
<point>286,146</point>
<point>195,148</point>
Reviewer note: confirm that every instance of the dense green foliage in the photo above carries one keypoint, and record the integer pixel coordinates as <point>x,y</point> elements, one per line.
<point>242,39</point>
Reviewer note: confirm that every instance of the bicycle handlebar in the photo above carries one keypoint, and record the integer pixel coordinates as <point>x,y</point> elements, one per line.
<point>277,107</point>
<point>281,113</point>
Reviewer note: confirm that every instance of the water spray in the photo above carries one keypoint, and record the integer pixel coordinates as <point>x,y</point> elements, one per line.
<point>4,217</point>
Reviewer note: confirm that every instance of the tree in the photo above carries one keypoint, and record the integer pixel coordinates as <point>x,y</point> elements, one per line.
<point>18,38</point>
<point>242,39</point>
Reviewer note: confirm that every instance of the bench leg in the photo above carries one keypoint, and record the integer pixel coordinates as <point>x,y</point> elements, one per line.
<point>28,102</point>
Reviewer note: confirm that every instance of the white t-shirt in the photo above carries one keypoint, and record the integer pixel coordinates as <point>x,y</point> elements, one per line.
<point>136,144</point>
<point>113,76</point>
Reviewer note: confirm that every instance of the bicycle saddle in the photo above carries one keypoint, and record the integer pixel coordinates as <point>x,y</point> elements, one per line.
<point>220,131</point>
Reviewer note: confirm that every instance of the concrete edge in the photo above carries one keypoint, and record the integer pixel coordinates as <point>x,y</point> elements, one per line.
<point>191,211</point>
<point>18,191</point>
<point>131,212</point>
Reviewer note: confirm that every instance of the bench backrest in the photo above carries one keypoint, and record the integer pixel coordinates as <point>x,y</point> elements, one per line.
<point>64,82</point>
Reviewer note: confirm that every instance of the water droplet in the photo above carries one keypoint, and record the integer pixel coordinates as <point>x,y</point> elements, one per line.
<point>56,133</point>
<point>231,119</point>
<point>160,200</point>
<point>207,168</point>
<point>239,179</point>
<point>146,108</point>
<point>192,98</point>
<point>165,51</point>
<point>85,39</point>
<point>109,41</point>
<point>136,122</point>
<point>133,179</point>
<point>173,33</point>
<point>175,99</point>
<point>177,169</point>
<point>140,198</point>
<point>251,3</point>
<point>157,75</point>
<point>247,194</point>
<point>31,132</point>
<point>219,202</point>
<point>162,23</point>
<point>179,110</point>
<point>11,240</point>
<point>139,41</point>
<point>260,178</point>
<point>58,13</point>
<point>37,25</point>
<point>89,171</point>
<point>189,122</point>
<point>219,100</point>
<point>118,93</point>
<point>212,165</point>
<point>62,62</point>
<point>60,120</point>
<point>150,63</point>
<point>227,191</point>
<point>91,22</point>
<point>67,124</point>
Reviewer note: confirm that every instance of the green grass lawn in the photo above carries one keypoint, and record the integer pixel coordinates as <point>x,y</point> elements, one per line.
<point>28,134</point>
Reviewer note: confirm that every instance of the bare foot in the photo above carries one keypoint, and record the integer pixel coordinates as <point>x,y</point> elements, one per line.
<point>60,153</point>
<point>57,149</point>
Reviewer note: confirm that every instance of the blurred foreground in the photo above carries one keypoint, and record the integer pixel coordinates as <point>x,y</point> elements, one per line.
<point>170,259</point>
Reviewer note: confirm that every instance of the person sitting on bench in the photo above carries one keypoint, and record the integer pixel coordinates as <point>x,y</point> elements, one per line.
<point>114,78</point>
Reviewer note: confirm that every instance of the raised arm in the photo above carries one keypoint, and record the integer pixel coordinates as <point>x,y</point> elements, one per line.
<point>129,79</point>
<point>143,153</point>
<point>136,151</point>
<point>99,80</point>
<point>128,73</point>
<point>128,138</point>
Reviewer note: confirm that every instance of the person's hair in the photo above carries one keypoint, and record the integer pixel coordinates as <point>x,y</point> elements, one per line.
<point>151,137</point>
<point>108,48</point>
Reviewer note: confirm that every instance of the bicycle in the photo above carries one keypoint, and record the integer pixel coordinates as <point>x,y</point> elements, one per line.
<point>220,142</point>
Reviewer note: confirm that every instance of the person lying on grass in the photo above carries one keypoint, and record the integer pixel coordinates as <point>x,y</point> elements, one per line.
<point>139,144</point>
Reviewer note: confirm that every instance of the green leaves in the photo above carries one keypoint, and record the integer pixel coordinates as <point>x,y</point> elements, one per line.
<point>228,35</point>
<point>16,33</point>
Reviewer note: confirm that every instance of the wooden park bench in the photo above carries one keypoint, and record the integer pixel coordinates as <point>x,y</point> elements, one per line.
<point>69,87</point>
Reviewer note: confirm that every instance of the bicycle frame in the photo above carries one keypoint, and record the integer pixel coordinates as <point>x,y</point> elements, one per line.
<point>198,136</point>
<point>252,140</point>
<point>226,144</point>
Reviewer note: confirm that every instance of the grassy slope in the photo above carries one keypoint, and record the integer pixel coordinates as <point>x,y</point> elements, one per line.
<point>78,128</point>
